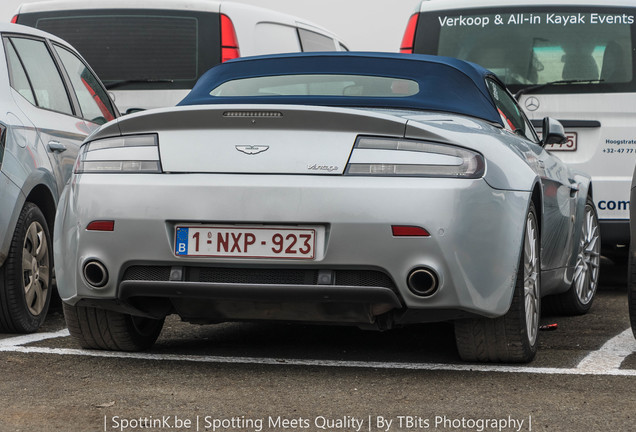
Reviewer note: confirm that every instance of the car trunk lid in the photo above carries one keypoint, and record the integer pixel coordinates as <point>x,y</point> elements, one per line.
<point>266,139</point>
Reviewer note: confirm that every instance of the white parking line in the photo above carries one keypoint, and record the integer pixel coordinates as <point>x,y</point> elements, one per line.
<point>612,353</point>
<point>605,361</point>
<point>31,338</point>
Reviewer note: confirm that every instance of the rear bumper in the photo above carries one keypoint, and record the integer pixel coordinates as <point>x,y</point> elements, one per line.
<point>474,247</point>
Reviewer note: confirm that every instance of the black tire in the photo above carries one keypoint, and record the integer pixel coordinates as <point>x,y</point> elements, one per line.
<point>103,329</point>
<point>25,277</point>
<point>578,299</point>
<point>513,337</point>
<point>631,289</point>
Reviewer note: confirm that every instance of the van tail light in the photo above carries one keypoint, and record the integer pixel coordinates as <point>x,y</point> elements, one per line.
<point>229,42</point>
<point>108,116</point>
<point>14,19</point>
<point>408,41</point>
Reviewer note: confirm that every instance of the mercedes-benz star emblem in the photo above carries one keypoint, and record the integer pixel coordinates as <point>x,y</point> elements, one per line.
<point>251,149</point>
<point>532,103</point>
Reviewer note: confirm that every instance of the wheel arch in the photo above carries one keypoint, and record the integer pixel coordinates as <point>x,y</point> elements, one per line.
<point>41,190</point>
<point>537,200</point>
<point>42,197</point>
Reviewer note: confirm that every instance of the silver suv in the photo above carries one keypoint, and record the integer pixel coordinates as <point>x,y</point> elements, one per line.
<point>50,100</point>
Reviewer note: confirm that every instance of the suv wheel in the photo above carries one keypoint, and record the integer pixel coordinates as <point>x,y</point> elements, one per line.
<point>25,277</point>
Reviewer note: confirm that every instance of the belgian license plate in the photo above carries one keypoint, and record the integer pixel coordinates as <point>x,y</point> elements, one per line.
<point>245,242</point>
<point>569,145</point>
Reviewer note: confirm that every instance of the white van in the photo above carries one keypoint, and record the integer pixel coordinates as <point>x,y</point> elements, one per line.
<point>150,53</point>
<point>571,60</point>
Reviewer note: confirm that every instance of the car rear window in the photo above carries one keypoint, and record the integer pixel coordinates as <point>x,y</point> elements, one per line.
<point>318,85</point>
<point>592,47</point>
<point>138,49</point>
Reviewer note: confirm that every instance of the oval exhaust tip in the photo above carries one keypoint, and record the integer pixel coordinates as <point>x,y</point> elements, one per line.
<point>95,273</point>
<point>423,282</point>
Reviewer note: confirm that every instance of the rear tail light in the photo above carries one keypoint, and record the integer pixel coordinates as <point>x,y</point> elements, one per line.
<point>412,158</point>
<point>229,42</point>
<point>408,41</point>
<point>14,20</point>
<point>124,154</point>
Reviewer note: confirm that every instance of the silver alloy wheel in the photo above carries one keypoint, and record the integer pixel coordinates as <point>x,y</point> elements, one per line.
<point>35,268</point>
<point>589,258</point>
<point>531,278</point>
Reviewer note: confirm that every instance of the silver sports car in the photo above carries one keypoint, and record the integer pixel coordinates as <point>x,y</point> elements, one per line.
<point>375,190</point>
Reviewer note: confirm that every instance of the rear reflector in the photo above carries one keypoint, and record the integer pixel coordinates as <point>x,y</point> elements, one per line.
<point>409,231</point>
<point>229,42</point>
<point>408,41</point>
<point>102,225</point>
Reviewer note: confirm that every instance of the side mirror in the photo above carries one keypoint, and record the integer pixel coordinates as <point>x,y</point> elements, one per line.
<point>553,132</point>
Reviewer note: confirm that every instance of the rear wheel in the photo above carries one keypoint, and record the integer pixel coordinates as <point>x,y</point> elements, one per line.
<point>511,338</point>
<point>578,299</point>
<point>108,330</point>
<point>25,277</point>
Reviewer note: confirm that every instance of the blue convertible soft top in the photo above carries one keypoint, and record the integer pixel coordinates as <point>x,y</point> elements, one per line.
<point>445,84</point>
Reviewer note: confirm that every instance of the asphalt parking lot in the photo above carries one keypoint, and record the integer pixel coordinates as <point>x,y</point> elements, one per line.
<point>252,377</point>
